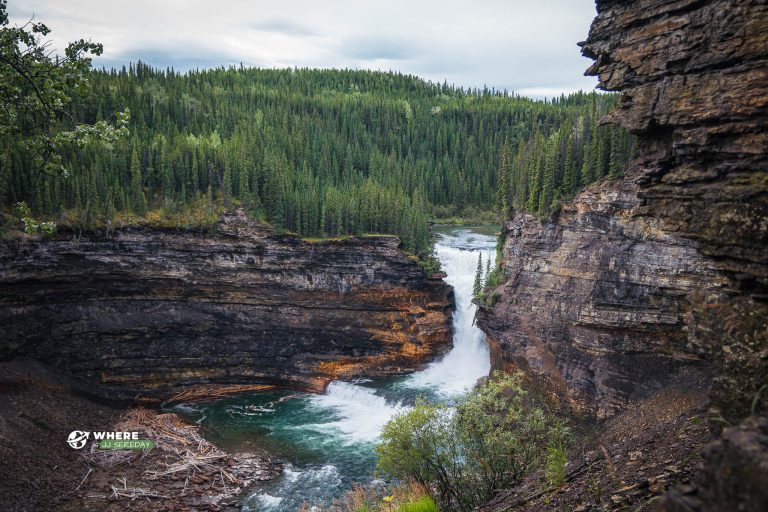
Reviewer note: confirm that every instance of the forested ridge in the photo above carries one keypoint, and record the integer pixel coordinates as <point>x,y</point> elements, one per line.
<point>316,152</point>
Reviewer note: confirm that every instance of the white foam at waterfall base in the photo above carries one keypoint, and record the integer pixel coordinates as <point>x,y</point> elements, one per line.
<point>360,413</point>
<point>469,360</point>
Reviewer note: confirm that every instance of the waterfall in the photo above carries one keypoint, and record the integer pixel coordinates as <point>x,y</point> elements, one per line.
<point>361,412</point>
<point>470,358</point>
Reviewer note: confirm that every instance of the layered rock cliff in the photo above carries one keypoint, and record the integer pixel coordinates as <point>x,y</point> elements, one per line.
<point>656,285</point>
<point>694,77</point>
<point>149,308</point>
<point>639,282</point>
<point>598,305</point>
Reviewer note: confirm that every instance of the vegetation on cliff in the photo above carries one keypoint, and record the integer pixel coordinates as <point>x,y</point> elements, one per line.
<point>549,167</point>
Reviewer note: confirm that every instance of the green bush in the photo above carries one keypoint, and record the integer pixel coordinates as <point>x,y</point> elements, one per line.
<point>491,440</point>
<point>21,210</point>
<point>47,228</point>
<point>430,264</point>
<point>31,225</point>
<point>23,214</point>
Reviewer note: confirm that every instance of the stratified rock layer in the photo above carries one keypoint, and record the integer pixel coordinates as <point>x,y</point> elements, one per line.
<point>598,304</point>
<point>668,269</point>
<point>151,308</point>
<point>695,81</point>
<point>659,280</point>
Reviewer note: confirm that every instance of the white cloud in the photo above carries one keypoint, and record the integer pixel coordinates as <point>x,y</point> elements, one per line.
<point>529,47</point>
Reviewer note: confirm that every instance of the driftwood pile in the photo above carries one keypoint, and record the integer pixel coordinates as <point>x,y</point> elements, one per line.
<point>133,492</point>
<point>214,392</point>
<point>182,462</point>
<point>188,452</point>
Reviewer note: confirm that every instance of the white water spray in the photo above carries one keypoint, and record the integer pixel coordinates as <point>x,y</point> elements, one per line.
<point>470,358</point>
<point>361,412</point>
<point>349,417</point>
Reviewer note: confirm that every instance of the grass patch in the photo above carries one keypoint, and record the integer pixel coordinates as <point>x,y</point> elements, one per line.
<point>341,238</point>
<point>423,504</point>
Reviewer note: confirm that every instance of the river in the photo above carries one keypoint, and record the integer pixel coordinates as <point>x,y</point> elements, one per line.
<point>327,440</point>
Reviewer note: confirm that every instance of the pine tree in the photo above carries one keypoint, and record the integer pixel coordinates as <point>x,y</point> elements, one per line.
<point>569,174</point>
<point>138,200</point>
<point>505,181</point>
<point>477,287</point>
<point>325,163</point>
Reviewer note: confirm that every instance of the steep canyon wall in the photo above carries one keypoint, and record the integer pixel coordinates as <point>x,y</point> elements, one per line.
<point>148,308</point>
<point>663,275</point>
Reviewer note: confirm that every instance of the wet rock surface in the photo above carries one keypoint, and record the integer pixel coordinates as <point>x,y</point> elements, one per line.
<point>150,309</point>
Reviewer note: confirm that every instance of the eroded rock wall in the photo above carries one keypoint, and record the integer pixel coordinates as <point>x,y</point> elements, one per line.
<point>665,272</point>
<point>154,308</point>
<point>598,304</point>
<point>694,78</point>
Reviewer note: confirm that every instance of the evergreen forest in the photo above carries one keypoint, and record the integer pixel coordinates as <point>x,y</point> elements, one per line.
<point>321,153</point>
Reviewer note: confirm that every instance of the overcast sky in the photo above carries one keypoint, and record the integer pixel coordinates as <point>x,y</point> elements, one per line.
<point>526,46</point>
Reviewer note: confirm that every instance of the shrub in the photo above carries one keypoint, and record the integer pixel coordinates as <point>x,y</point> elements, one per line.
<point>430,264</point>
<point>404,497</point>
<point>491,440</point>
<point>554,470</point>
<point>23,213</point>
<point>21,210</point>
<point>47,228</point>
<point>31,226</point>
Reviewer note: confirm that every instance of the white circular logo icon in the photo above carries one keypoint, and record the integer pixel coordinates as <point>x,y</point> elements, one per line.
<point>77,439</point>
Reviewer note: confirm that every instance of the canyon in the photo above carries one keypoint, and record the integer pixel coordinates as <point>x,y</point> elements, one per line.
<point>641,305</point>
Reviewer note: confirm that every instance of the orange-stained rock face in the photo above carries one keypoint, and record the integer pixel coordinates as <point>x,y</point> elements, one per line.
<point>160,308</point>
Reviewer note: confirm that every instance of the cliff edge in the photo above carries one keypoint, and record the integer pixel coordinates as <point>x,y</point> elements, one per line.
<point>665,269</point>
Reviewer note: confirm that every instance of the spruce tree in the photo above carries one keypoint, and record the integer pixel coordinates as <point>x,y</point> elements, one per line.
<point>332,163</point>
<point>477,287</point>
<point>138,200</point>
